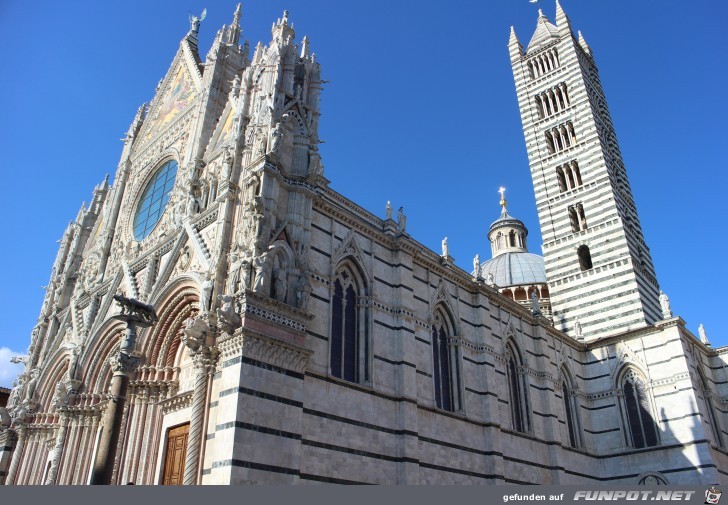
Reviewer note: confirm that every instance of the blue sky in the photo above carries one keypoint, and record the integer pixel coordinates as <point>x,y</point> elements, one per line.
<point>420,110</point>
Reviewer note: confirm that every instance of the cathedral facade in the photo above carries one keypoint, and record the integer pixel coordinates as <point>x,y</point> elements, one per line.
<point>220,315</point>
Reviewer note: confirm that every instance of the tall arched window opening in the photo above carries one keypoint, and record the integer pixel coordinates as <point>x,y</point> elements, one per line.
<point>517,390</point>
<point>641,426</point>
<point>585,261</point>
<point>446,366</point>
<point>349,327</point>
<point>571,410</point>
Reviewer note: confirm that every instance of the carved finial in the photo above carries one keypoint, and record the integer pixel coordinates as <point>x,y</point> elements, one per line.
<point>238,13</point>
<point>81,212</point>
<point>503,201</point>
<point>234,33</point>
<point>305,50</point>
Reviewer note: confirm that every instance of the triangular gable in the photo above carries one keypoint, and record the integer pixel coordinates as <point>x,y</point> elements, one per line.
<point>350,247</point>
<point>223,131</point>
<point>442,295</point>
<point>179,89</point>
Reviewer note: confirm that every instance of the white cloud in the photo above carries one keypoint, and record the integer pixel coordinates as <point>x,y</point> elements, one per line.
<point>9,371</point>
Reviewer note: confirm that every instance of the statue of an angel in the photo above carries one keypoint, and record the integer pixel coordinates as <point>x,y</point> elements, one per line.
<point>195,21</point>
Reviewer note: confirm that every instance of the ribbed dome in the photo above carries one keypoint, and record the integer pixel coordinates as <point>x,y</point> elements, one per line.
<point>515,269</point>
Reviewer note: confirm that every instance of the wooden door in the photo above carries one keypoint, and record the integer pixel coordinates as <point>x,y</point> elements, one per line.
<point>174,459</point>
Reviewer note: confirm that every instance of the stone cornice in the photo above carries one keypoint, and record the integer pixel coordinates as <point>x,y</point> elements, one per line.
<point>292,318</point>
<point>275,352</point>
<point>176,403</point>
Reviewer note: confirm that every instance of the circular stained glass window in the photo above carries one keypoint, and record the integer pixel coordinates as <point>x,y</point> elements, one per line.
<point>154,200</point>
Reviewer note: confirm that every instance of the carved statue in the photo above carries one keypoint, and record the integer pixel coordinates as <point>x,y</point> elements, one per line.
<point>195,333</point>
<point>577,329</point>
<point>445,250</point>
<point>227,318</point>
<point>388,210</point>
<point>206,293</point>
<point>195,21</point>
<point>665,306</point>
<point>32,384</point>
<point>192,205</point>
<point>535,307</point>
<point>17,391</point>
<point>491,280</point>
<point>60,396</point>
<point>178,210</point>
<point>73,362</point>
<point>703,335</point>
<point>303,291</point>
<point>227,164</point>
<point>314,162</point>
<point>401,220</point>
<point>276,136</point>
<point>251,189</point>
<point>280,285</point>
<point>5,420</point>
<point>260,150</point>
<point>243,275</point>
<point>477,272</point>
<point>20,413</point>
<point>261,272</point>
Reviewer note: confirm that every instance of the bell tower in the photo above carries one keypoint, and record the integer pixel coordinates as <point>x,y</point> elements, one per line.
<point>598,266</point>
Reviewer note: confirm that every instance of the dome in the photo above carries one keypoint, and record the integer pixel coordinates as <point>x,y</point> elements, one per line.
<point>515,269</point>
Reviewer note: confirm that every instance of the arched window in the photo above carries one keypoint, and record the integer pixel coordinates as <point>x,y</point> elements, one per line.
<point>349,358</point>
<point>710,412</point>
<point>516,389</point>
<point>585,261</point>
<point>641,429</point>
<point>446,373</point>
<point>571,409</point>
<point>577,217</point>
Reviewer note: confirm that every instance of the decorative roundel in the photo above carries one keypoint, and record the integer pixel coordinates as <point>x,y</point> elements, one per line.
<point>154,199</point>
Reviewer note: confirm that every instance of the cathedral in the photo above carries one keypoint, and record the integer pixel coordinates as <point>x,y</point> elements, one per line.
<point>219,315</point>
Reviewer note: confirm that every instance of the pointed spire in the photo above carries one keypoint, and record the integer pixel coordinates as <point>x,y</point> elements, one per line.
<point>562,20</point>
<point>544,34</point>
<point>584,45</point>
<point>81,213</point>
<point>137,121</point>
<point>513,38</point>
<point>234,33</point>
<point>305,50</point>
<point>514,45</point>
<point>282,32</point>
<point>258,53</point>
